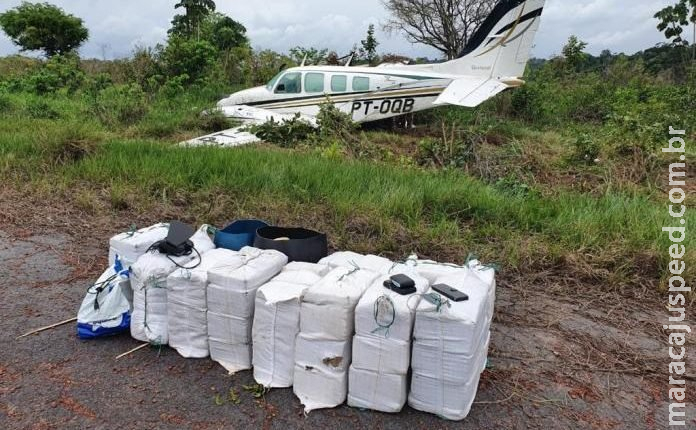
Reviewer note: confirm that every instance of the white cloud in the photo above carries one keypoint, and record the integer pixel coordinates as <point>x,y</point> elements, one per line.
<point>616,25</point>
<point>117,27</point>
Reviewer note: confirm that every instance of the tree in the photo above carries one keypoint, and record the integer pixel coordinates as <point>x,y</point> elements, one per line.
<point>332,59</point>
<point>396,59</point>
<point>43,27</point>
<point>369,45</point>
<point>188,58</point>
<point>313,55</point>
<point>673,19</point>
<point>223,32</point>
<point>196,12</point>
<point>573,52</point>
<point>445,25</point>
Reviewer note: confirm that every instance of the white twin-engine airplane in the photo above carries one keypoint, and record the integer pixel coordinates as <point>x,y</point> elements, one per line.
<point>493,61</point>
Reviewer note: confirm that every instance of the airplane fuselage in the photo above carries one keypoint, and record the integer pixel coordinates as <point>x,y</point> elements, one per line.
<point>365,93</point>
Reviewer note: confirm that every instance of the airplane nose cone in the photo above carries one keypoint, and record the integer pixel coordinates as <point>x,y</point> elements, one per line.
<point>244,96</point>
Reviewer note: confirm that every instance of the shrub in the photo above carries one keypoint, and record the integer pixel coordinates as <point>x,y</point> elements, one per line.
<point>174,86</point>
<point>287,133</point>
<point>336,124</point>
<point>60,72</point>
<point>40,109</point>
<point>586,149</point>
<point>528,102</point>
<point>512,185</point>
<point>214,120</point>
<point>455,148</point>
<point>68,144</point>
<point>96,83</point>
<point>121,104</point>
<point>189,57</point>
<point>641,116</point>
<point>145,67</point>
<point>333,126</point>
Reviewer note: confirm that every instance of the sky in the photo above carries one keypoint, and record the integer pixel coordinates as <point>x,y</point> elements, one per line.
<point>117,27</point>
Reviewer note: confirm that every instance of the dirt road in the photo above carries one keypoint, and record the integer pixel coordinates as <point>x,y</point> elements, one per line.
<point>564,355</point>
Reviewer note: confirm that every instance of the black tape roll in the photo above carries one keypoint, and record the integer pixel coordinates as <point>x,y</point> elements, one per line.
<point>299,244</point>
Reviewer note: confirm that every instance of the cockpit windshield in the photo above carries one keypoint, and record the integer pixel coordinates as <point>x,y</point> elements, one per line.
<point>273,81</point>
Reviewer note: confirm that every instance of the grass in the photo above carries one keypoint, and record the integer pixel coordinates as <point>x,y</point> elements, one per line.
<point>367,206</point>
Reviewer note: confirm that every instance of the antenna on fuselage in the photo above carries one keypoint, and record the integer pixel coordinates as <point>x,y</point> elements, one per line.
<point>350,59</point>
<point>304,60</point>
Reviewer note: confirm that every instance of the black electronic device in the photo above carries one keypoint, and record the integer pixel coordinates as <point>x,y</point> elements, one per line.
<point>401,284</point>
<point>177,242</point>
<point>451,293</point>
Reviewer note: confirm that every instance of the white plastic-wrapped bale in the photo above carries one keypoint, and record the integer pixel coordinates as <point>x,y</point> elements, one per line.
<point>277,322</point>
<point>187,305</point>
<point>129,246</point>
<point>382,346</point>
<point>328,307</point>
<point>321,372</point>
<point>387,313</point>
<point>149,280</point>
<point>447,398</point>
<point>342,259</point>
<point>450,348</point>
<point>230,295</point>
<point>487,275</point>
<point>376,263</point>
<point>436,273</point>
<point>385,392</point>
<point>323,347</point>
<point>432,270</point>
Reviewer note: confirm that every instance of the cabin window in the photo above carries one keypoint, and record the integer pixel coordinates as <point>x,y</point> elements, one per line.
<point>273,81</point>
<point>314,83</point>
<point>290,83</point>
<point>361,83</point>
<point>339,83</point>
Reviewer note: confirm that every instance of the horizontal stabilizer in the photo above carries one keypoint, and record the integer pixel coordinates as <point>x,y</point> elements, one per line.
<point>470,92</point>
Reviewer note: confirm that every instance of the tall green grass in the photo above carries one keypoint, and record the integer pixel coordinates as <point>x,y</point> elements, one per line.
<point>576,221</point>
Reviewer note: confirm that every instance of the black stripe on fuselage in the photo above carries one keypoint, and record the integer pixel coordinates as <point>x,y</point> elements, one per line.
<point>524,18</point>
<point>320,99</point>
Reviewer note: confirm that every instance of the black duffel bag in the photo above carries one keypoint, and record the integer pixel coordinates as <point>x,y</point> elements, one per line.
<point>299,244</point>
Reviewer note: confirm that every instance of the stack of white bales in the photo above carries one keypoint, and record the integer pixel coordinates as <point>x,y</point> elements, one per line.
<point>323,347</point>
<point>230,295</point>
<point>451,344</point>
<point>277,322</point>
<point>149,280</point>
<point>382,344</point>
<point>187,305</point>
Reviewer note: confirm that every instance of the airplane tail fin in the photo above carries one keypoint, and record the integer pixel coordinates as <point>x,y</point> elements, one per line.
<point>502,45</point>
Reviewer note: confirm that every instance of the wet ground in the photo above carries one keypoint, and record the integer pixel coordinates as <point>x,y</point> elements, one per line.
<point>563,356</point>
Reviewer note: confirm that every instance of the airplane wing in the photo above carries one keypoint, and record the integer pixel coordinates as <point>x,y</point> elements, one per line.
<point>237,136</point>
<point>472,91</point>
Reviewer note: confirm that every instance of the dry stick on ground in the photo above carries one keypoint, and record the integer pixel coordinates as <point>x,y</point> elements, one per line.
<point>137,348</point>
<point>48,327</point>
